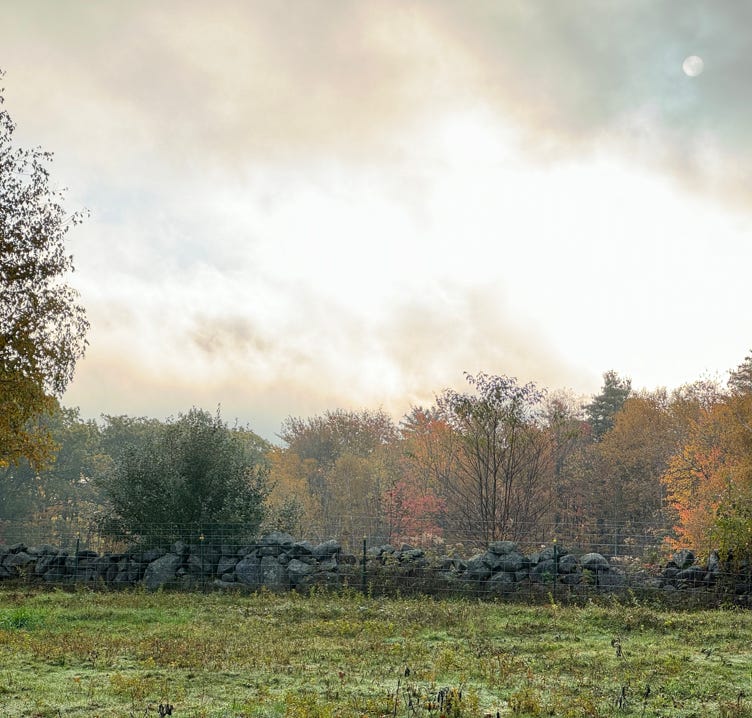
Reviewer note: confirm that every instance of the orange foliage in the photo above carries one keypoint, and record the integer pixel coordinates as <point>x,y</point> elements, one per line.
<point>709,481</point>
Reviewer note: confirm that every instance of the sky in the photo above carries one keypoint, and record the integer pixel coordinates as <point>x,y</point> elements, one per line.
<point>297,206</point>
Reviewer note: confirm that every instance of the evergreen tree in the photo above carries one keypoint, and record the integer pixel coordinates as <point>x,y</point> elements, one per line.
<point>601,411</point>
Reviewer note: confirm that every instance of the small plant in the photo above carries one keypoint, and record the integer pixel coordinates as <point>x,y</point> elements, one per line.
<point>20,619</point>
<point>526,701</point>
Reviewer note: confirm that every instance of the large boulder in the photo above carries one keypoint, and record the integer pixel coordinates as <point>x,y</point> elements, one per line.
<point>327,549</point>
<point>301,549</point>
<point>544,570</point>
<point>226,564</point>
<point>161,572</point>
<point>273,574</point>
<point>511,562</point>
<point>478,569</point>
<point>297,570</point>
<point>568,564</point>
<point>248,572</point>
<point>501,584</point>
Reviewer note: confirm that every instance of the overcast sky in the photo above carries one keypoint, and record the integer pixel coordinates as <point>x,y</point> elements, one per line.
<point>298,206</point>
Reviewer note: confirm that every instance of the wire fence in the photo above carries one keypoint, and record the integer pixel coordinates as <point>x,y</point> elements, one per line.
<point>553,562</point>
<point>646,542</point>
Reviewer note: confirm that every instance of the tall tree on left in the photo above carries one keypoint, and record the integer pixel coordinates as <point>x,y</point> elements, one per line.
<point>42,325</point>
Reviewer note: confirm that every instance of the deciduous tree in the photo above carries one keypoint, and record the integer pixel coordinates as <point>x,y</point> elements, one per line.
<point>42,324</point>
<point>502,458</point>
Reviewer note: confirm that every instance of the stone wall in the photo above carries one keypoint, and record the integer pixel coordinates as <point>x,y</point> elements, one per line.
<point>278,562</point>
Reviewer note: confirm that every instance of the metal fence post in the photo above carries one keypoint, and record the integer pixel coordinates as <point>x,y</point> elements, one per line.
<point>556,568</point>
<point>75,559</point>
<point>363,569</point>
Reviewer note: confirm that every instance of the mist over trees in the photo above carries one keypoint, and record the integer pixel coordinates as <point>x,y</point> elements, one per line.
<point>500,460</point>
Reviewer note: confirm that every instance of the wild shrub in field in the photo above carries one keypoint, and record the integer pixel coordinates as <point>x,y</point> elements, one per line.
<point>21,618</point>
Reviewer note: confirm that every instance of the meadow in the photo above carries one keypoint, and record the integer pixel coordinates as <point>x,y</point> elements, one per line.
<point>86,653</point>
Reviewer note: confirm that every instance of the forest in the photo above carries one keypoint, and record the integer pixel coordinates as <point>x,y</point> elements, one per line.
<point>501,460</point>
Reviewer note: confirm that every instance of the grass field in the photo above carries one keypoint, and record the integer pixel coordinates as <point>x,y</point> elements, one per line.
<point>122,654</point>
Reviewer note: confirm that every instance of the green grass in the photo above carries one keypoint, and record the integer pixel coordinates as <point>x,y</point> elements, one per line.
<point>122,654</point>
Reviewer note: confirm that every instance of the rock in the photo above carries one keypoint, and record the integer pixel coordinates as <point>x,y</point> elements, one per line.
<point>296,570</point>
<point>57,573</point>
<point>19,559</point>
<point>277,538</point>
<point>511,562</point>
<point>477,569</point>
<point>502,548</point>
<point>273,575</point>
<point>568,564</point>
<point>196,566</point>
<point>180,548</point>
<point>327,549</point>
<point>694,575</point>
<point>248,572</point>
<point>412,554</point>
<point>550,552</point>
<point>611,579</point>
<point>226,564</point>
<point>162,571</point>
<point>501,583</point>
<point>683,558</point>
<point>46,563</point>
<point>152,554</point>
<point>44,550</point>
<point>544,571</point>
<point>330,565</point>
<point>300,549</point>
<point>594,562</point>
<point>271,550</point>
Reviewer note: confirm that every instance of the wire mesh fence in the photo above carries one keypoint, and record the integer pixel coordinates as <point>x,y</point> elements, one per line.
<point>553,562</point>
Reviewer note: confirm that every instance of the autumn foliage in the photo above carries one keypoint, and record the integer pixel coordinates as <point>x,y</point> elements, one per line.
<point>709,480</point>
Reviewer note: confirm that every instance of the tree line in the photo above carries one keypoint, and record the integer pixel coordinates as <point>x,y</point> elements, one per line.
<point>500,460</point>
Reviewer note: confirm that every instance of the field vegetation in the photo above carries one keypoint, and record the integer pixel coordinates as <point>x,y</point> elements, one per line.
<point>90,654</point>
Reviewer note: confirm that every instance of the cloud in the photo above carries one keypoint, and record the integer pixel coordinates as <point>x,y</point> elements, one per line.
<point>581,78</point>
<point>297,208</point>
<point>188,87</point>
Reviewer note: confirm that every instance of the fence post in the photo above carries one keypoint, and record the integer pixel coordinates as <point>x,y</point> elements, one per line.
<point>556,568</point>
<point>201,539</point>
<point>75,559</point>
<point>363,568</point>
